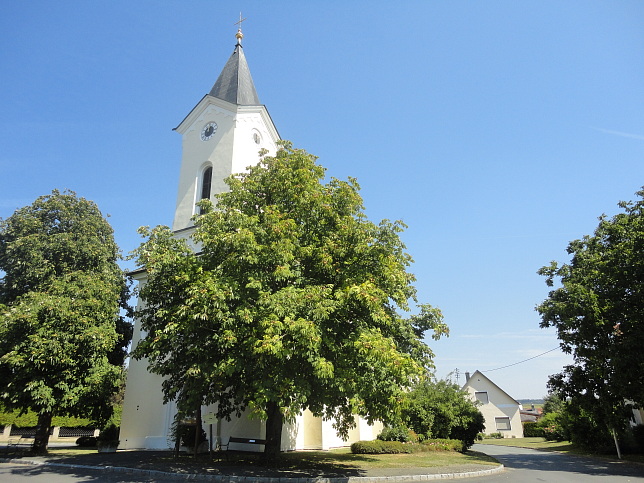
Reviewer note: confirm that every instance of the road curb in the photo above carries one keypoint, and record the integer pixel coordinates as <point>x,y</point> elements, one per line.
<point>255,479</point>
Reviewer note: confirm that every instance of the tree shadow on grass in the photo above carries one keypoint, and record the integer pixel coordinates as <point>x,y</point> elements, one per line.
<point>234,463</point>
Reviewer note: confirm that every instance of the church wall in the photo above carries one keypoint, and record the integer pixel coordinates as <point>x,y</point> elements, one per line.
<point>312,431</point>
<point>198,153</point>
<point>146,420</point>
<point>251,135</point>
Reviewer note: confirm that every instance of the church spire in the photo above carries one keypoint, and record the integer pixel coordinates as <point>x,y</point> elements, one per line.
<point>235,83</point>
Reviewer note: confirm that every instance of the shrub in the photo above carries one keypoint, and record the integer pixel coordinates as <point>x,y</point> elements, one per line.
<point>440,409</point>
<point>109,435</point>
<point>551,425</point>
<point>380,447</point>
<point>396,447</point>
<point>86,441</point>
<point>532,430</point>
<point>444,445</point>
<point>494,436</point>
<point>398,433</point>
<point>29,419</point>
<point>471,422</point>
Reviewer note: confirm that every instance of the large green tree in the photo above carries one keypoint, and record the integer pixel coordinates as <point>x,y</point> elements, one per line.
<point>292,302</point>
<point>62,341</point>
<point>598,311</point>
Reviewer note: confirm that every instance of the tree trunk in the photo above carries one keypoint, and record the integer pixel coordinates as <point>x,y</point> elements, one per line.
<point>41,440</point>
<point>273,431</point>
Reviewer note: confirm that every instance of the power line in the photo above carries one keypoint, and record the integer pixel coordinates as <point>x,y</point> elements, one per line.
<point>520,362</point>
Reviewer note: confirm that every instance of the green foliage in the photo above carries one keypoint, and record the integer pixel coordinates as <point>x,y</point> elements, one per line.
<point>292,303</point>
<point>397,447</point>
<point>440,409</point>
<point>380,447</point>
<point>532,430</point>
<point>109,435</point>
<point>598,313</point>
<point>61,290</point>
<point>552,426</point>
<point>553,403</point>
<point>398,433</point>
<point>86,441</point>
<point>29,419</point>
<point>494,436</point>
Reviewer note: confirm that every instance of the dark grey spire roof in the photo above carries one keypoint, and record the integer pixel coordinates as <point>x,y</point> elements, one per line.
<point>235,83</point>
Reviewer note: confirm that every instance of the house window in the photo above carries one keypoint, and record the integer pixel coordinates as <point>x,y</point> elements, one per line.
<point>206,183</point>
<point>502,424</point>
<point>481,396</point>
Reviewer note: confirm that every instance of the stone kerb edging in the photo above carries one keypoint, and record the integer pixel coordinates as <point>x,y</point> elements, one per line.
<point>256,479</point>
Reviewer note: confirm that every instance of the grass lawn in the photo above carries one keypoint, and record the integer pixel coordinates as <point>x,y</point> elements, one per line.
<point>338,461</point>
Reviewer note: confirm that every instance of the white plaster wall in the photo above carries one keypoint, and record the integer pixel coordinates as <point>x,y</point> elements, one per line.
<point>146,420</point>
<point>231,150</point>
<point>499,405</point>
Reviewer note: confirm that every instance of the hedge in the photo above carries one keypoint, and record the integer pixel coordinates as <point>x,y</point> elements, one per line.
<point>30,420</point>
<point>396,447</point>
<point>532,430</point>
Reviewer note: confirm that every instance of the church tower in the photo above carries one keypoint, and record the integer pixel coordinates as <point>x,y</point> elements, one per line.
<point>222,135</point>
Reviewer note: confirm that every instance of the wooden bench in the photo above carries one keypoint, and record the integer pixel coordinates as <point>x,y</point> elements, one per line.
<point>234,439</point>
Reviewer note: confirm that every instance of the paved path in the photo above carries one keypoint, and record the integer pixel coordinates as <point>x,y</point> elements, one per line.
<point>529,465</point>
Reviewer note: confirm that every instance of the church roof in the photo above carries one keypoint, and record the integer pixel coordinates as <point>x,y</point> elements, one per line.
<point>235,83</point>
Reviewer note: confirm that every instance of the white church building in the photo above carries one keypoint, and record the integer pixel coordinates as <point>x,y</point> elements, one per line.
<point>221,135</point>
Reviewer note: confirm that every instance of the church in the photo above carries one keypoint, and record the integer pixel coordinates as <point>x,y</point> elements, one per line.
<point>221,135</point>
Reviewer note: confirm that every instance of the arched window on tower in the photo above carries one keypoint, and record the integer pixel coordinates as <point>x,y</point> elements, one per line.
<point>206,184</point>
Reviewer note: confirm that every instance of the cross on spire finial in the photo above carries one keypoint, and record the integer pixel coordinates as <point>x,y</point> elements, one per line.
<point>239,35</point>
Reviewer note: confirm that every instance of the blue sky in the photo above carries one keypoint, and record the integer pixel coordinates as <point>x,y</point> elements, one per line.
<point>498,131</point>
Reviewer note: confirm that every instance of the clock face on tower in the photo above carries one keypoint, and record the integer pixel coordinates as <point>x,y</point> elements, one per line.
<point>208,131</point>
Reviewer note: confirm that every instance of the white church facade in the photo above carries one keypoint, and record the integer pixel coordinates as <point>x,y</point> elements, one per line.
<point>221,135</point>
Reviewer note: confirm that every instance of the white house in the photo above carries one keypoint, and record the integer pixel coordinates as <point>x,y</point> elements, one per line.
<point>221,135</point>
<point>501,412</point>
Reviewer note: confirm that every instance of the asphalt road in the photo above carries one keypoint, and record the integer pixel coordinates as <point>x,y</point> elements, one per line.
<point>528,466</point>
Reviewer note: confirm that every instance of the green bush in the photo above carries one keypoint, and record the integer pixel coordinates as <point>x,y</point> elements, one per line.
<point>532,430</point>
<point>109,435</point>
<point>494,436</point>
<point>552,427</point>
<point>381,447</point>
<point>396,447</point>
<point>30,420</point>
<point>398,433</point>
<point>444,445</point>
<point>86,441</point>
<point>441,409</point>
